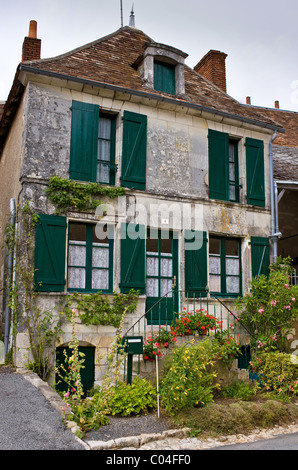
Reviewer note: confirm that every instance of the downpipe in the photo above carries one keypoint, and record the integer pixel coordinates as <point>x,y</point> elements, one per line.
<point>7,343</point>
<point>275,234</point>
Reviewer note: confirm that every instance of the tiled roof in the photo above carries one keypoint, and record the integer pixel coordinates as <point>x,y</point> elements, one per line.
<point>110,60</point>
<point>288,120</point>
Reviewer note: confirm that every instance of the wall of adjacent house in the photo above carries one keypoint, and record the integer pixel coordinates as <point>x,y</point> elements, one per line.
<point>10,165</point>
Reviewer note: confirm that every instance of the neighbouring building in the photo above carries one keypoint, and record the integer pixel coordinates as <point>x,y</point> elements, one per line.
<point>194,165</point>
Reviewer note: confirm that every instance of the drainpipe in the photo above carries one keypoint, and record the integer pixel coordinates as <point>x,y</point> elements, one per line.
<point>7,344</point>
<point>275,234</point>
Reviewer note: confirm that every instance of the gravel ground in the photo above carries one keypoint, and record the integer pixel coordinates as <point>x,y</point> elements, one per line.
<point>130,426</point>
<point>27,420</point>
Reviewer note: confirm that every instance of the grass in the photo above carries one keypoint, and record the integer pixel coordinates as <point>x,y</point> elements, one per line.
<point>233,416</point>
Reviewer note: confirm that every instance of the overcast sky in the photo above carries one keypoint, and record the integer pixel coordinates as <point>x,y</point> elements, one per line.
<point>259,36</point>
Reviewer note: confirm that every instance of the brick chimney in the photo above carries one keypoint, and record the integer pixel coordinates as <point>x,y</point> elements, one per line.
<point>31,45</point>
<point>276,104</point>
<point>213,67</point>
<point>248,100</point>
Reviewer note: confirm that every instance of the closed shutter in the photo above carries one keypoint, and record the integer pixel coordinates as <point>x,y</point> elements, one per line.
<point>164,77</point>
<point>50,241</point>
<point>134,150</point>
<point>260,256</point>
<point>218,165</point>
<point>132,258</point>
<point>196,264</point>
<point>84,141</point>
<point>255,178</point>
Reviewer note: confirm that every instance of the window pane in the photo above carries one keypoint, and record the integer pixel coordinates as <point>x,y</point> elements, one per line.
<point>103,232</point>
<point>152,266</point>
<point>232,193</point>
<point>214,264</point>
<point>104,148</point>
<point>215,285</point>
<point>152,287</point>
<point>232,285</point>
<point>214,246</point>
<point>232,266</point>
<point>166,246</point>
<point>76,278</point>
<point>77,255</point>
<point>100,279</point>
<point>232,247</point>
<point>166,267</point>
<point>77,232</point>
<point>152,245</point>
<point>232,172</point>
<point>104,128</point>
<point>100,256</point>
<point>166,287</point>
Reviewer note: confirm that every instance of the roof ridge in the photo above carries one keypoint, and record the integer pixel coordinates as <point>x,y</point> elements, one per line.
<point>86,46</point>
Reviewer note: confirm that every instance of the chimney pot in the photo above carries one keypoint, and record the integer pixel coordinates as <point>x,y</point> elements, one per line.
<point>276,104</point>
<point>248,101</point>
<point>213,67</point>
<point>33,29</point>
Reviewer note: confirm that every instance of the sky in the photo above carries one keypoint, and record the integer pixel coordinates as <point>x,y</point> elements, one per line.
<point>259,36</point>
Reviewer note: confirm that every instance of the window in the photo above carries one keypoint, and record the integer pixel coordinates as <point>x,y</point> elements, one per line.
<point>224,266</point>
<point>159,267</point>
<point>164,77</point>
<point>92,146</point>
<point>106,150</point>
<point>90,260</point>
<point>223,167</point>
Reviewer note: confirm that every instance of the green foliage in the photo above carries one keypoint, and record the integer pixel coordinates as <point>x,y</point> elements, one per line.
<point>134,399</point>
<point>277,372</point>
<point>97,309</point>
<point>240,390</point>
<point>227,347</point>
<point>72,195</point>
<point>270,308</point>
<point>189,376</point>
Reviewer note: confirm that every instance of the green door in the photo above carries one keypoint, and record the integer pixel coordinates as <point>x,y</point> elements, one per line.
<point>161,269</point>
<point>87,373</point>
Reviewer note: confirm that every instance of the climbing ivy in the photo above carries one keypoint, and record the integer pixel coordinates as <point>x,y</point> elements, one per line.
<point>67,194</point>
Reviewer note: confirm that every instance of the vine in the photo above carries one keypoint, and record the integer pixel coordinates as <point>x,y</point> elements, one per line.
<point>67,194</point>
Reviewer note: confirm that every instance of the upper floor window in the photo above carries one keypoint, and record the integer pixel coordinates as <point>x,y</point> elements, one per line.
<point>164,77</point>
<point>106,149</point>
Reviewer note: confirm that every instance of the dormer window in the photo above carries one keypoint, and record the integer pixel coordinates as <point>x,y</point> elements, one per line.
<point>162,68</point>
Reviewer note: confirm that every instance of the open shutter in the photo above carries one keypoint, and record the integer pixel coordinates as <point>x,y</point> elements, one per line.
<point>50,242</point>
<point>218,165</point>
<point>84,141</point>
<point>255,172</point>
<point>260,256</point>
<point>195,264</point>
<point>132,258</point>
<point>134,150</point>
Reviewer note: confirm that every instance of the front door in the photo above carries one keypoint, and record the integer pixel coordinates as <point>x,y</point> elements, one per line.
<point>161,269</point>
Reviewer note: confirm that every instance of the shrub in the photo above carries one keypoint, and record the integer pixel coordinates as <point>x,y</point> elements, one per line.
<point>134,399</point>
<point>276,372</point>
<point>189,377</point>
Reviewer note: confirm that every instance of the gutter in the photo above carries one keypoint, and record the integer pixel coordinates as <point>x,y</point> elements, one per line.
<point>275,233</point>
<point>152,96</point>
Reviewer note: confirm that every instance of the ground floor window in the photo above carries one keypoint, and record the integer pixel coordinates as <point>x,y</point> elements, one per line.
<point>225,266</point>
<point>90,260</point>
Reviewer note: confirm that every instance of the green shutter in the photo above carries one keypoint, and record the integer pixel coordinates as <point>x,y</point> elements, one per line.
<point>255,172</point>
<point>134,150</point>
<point>132,258</point>
<point>50,241</point>
<point>84,141</point>
<point>164,77</point>
<point>218,165</point>
<point>260,256</point>
<point>195,263</point>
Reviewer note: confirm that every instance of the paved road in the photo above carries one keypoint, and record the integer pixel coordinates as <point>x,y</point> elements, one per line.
<point>284,442</point>
<point>28,421</point>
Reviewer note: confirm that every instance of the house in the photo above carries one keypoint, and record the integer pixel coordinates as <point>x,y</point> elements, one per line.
<point>192,167</point>
<point>285,172</point>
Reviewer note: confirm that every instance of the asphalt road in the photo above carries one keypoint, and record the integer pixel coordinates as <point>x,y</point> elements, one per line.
<point>28,421</point>
<point>282,442</point>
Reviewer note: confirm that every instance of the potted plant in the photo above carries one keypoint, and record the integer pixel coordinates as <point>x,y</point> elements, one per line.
<point>151,349</point>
